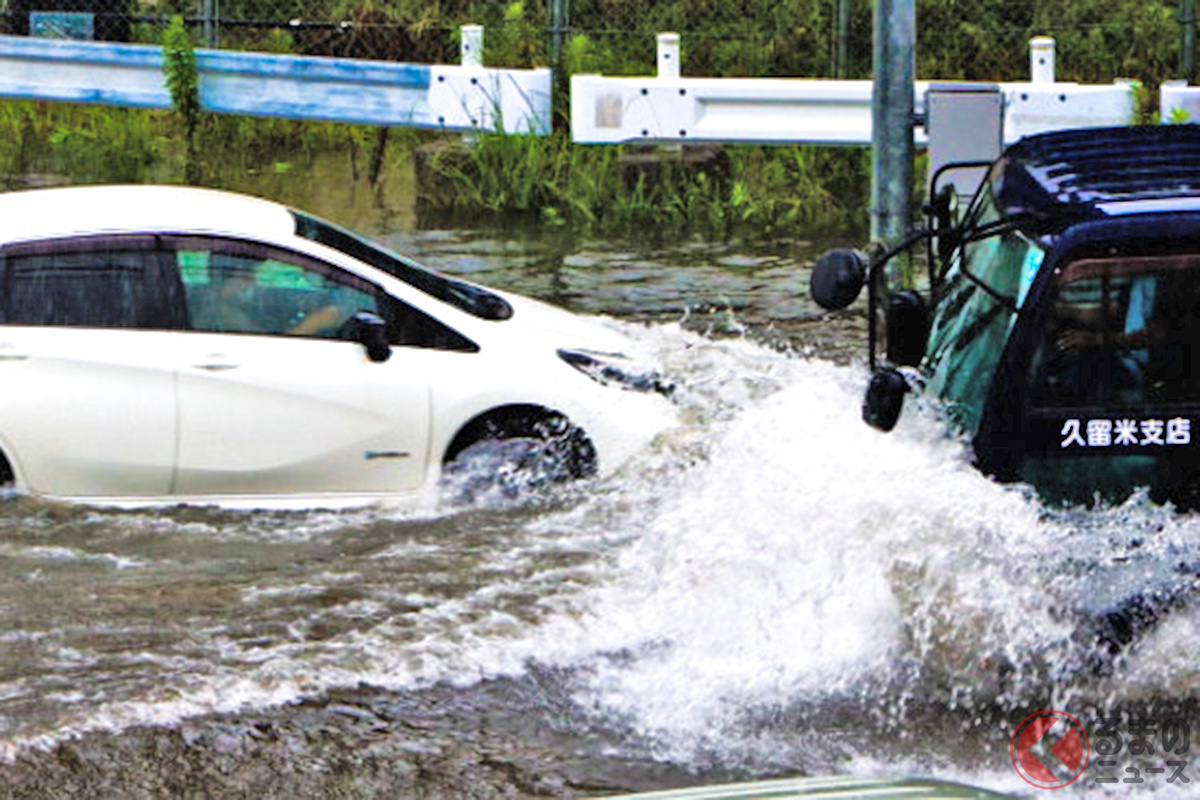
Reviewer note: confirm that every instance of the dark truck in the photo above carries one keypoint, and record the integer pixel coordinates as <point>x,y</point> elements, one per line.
<point>1061,330</point>
<point>1062,320</point>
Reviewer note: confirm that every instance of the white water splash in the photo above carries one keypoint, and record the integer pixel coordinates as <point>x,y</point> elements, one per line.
<point>807,556</point>
<point>774,551</point>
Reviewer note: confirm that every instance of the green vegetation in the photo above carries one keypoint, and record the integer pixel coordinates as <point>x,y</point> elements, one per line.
<point>769,190</point>
<point>91,144</point>
<point>745,190</point>
<point>183,82</point>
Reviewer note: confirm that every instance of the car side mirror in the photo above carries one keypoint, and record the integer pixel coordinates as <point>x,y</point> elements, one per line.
<point>884,399</point>
<point>907,328</point>
<point>837,278</point>
<point>370,330</point>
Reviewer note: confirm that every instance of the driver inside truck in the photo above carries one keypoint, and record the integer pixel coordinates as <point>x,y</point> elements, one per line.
<point>1132,338</point>
<point>1100,338</point>
<point>1093,329</point>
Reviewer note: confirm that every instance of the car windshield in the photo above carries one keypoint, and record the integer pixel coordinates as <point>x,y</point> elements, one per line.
<point>474,300</point>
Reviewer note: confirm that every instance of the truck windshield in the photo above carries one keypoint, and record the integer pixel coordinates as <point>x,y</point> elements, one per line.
<point>978,303</point>
<point>464,296</point>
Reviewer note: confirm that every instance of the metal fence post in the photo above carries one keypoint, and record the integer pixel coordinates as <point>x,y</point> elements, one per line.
<point>1187,50</point>
<point>560,25</point>
<point>560,22</point>
<point>841,67</point>
<point>892,149</point>
<point>209,15</point>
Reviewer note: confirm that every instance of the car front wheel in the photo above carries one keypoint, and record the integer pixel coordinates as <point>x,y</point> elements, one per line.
<point>497,469</point>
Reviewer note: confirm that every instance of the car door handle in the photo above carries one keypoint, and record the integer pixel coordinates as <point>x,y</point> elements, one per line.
<point>216,364</point>
<point>10,353</point>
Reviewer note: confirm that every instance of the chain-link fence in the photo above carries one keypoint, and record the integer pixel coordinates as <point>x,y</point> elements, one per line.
<point>1098,40</point>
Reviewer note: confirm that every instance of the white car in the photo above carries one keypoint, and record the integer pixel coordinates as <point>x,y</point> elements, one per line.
<point>165,344</point>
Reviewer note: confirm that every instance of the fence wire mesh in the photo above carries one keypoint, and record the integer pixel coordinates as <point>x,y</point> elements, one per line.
<point>1098,40</point>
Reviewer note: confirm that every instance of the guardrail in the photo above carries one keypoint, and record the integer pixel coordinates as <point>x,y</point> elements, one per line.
<point>467,97</point>
<point>665,108</point>
<point>1179,102</point>
<point>668,108</point>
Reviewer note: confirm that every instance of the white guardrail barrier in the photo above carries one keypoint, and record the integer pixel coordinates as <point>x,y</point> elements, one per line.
<point>449,97</point>
<point>670,108</point>
<point>1179,102</point>
<point>666,108</point>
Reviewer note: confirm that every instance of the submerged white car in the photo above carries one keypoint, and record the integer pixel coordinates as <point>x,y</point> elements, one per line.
<point>164,344</point>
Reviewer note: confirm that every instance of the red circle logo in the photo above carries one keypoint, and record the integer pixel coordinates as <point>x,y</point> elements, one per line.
<point>1050,749</point>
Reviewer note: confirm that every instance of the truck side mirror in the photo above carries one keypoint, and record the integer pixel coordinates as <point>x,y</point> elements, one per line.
<point>907,328</point>
<point>837,278</point>
<point>943,213</point>
<point>884,399</point>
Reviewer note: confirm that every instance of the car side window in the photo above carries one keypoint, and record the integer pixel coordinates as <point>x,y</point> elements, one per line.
<point>96,282</point>
<point>237,288</point>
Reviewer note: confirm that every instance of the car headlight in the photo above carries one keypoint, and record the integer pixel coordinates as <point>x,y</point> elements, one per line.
<point>617,369</point>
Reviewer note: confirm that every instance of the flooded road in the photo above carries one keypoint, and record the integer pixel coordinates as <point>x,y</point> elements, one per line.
<point>771,588</point>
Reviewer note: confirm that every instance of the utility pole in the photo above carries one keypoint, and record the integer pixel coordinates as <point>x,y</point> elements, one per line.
<point>892,148</point>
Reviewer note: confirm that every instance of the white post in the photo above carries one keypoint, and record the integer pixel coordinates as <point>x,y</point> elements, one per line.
<point>668,55</point>
<point>1041,59</point>
<point>472,45</point>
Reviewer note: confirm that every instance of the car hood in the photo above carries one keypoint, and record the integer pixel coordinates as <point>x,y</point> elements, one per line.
<point>558,327</point>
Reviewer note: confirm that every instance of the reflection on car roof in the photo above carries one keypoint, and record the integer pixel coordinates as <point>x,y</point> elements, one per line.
<point>75,211</point>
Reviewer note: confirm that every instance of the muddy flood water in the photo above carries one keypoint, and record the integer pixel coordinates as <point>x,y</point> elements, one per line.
<point>772,588</point>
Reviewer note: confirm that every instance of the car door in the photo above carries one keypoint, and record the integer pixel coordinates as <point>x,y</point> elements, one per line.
<point>86,330</point>
<point>274,397</point>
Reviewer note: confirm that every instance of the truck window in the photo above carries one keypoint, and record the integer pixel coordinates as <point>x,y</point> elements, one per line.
<point>1113,379</point>
<point>1119,333</point>
<point>974,315</point>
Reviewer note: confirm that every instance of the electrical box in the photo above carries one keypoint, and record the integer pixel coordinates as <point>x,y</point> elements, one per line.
<point>964,123</point>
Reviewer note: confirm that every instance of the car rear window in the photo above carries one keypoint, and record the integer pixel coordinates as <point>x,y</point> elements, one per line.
<point>94,284</point>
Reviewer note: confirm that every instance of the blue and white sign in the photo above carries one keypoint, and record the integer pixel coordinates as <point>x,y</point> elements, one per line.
<point>62,24</point>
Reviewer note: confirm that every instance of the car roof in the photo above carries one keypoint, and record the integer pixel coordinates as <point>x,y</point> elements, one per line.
<point>1098,171</point>
<point>80,210</point>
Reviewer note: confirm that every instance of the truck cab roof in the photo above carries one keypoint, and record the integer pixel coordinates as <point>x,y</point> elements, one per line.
<point>1071,174</point>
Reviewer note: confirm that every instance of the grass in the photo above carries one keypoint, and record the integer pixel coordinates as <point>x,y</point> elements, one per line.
<point>493,178</point>
<point>744,190</point>
<point>89,144</point>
